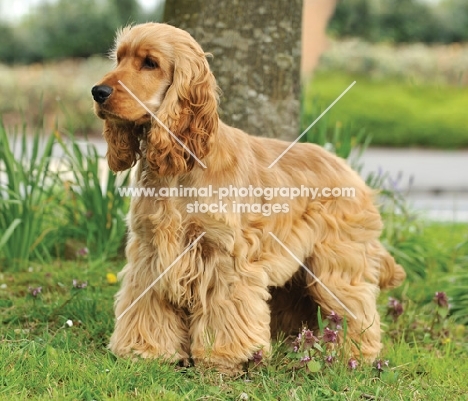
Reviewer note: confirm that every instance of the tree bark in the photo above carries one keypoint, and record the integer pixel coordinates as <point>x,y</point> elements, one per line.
<point>257,58</point>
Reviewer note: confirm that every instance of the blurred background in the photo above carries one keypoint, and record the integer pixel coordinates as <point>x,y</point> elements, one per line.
<point>409,58</point>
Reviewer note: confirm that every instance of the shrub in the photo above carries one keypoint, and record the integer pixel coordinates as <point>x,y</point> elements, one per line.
<point>51,95</point>
<point>64,29</point>
<point>396,113</point>
<point>401,20</point>
<point>26,196</point>
<point>402,234</point>
<point>46,203</point>
<point>342,139</point>
<point>94,210</point>
<point>458,284</point>
<point>411,64</point>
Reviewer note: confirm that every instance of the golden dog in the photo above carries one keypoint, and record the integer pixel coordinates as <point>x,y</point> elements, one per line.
<point>222,299</point>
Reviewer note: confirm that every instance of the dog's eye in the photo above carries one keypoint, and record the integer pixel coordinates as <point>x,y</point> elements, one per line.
<point>149,63</point>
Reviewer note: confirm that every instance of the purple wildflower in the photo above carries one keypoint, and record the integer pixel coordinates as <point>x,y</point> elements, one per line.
<point>335,319</point>
<point>330,359</point>
<point>35,291</point>
<point>441,299</point>
<point>396,182</point>
<point>79,284</point>
<point>395,308</point>
<point>309,336</point>
<point>305,359</point>
<point>297,342</point>
<point>82,252</point>
<point>352,363</point>
<point>257,357</point>
<point>304,340</point>
<point>330,336</point>
<point>379,365</point>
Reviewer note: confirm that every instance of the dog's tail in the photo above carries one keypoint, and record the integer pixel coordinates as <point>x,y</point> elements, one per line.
<point>391,273</point>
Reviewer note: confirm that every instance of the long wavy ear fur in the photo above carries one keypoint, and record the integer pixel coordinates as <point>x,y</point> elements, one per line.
<point>123,145</point>
<point>189,110</point>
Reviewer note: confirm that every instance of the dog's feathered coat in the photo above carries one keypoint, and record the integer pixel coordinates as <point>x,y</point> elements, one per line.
<point>223,299</point>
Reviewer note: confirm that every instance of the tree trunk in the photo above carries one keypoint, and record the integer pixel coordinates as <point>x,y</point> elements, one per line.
<point>257,58</point>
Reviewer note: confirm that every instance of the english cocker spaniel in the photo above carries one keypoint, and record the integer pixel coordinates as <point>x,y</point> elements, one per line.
<point>213,278</point>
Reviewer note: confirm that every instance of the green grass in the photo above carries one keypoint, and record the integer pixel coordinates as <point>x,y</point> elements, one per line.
<point>395,112</point>
<point>43,358</point>
<point>441,254</point>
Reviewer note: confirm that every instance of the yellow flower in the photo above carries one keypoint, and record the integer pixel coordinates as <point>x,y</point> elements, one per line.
<point>111,278</point>
<point>446,341</point>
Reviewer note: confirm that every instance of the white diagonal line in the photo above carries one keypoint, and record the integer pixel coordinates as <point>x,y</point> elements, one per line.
<point>313,275</point>
<point>162,274</point>
<point>311,125</point>
<point>162,124</point>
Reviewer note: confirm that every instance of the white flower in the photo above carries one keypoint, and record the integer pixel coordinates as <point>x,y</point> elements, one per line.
<point>69,323</point>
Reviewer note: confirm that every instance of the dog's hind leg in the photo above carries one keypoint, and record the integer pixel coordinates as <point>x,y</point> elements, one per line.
<point>345,289</point>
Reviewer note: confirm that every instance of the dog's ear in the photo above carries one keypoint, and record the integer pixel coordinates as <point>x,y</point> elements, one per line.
<point>123,145</point>
<point>189,111</point>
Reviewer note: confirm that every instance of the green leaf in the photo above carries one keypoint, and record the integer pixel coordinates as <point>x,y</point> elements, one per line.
<point>318,347</point>
<point>293,355</point>
<point>314,366</point>
<point>9,231</point>
<point>442,312</point>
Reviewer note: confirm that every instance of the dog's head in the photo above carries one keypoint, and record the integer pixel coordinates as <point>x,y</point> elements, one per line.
<point>161,89</point>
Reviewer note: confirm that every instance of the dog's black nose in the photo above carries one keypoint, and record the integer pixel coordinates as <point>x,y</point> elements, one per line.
<point>101,93</point>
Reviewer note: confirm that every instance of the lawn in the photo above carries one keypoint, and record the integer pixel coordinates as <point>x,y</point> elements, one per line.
<point>395,112</point>
<point>53,343</point>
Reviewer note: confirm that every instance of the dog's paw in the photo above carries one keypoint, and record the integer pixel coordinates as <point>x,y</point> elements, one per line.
<point>173,357</point>
<point>221,366</point>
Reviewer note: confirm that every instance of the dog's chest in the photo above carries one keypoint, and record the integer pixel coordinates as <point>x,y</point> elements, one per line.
<point>191,250</point>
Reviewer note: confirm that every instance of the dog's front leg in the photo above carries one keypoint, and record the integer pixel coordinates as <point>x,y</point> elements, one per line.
<point>234,322</point>
<point>151,326</point>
